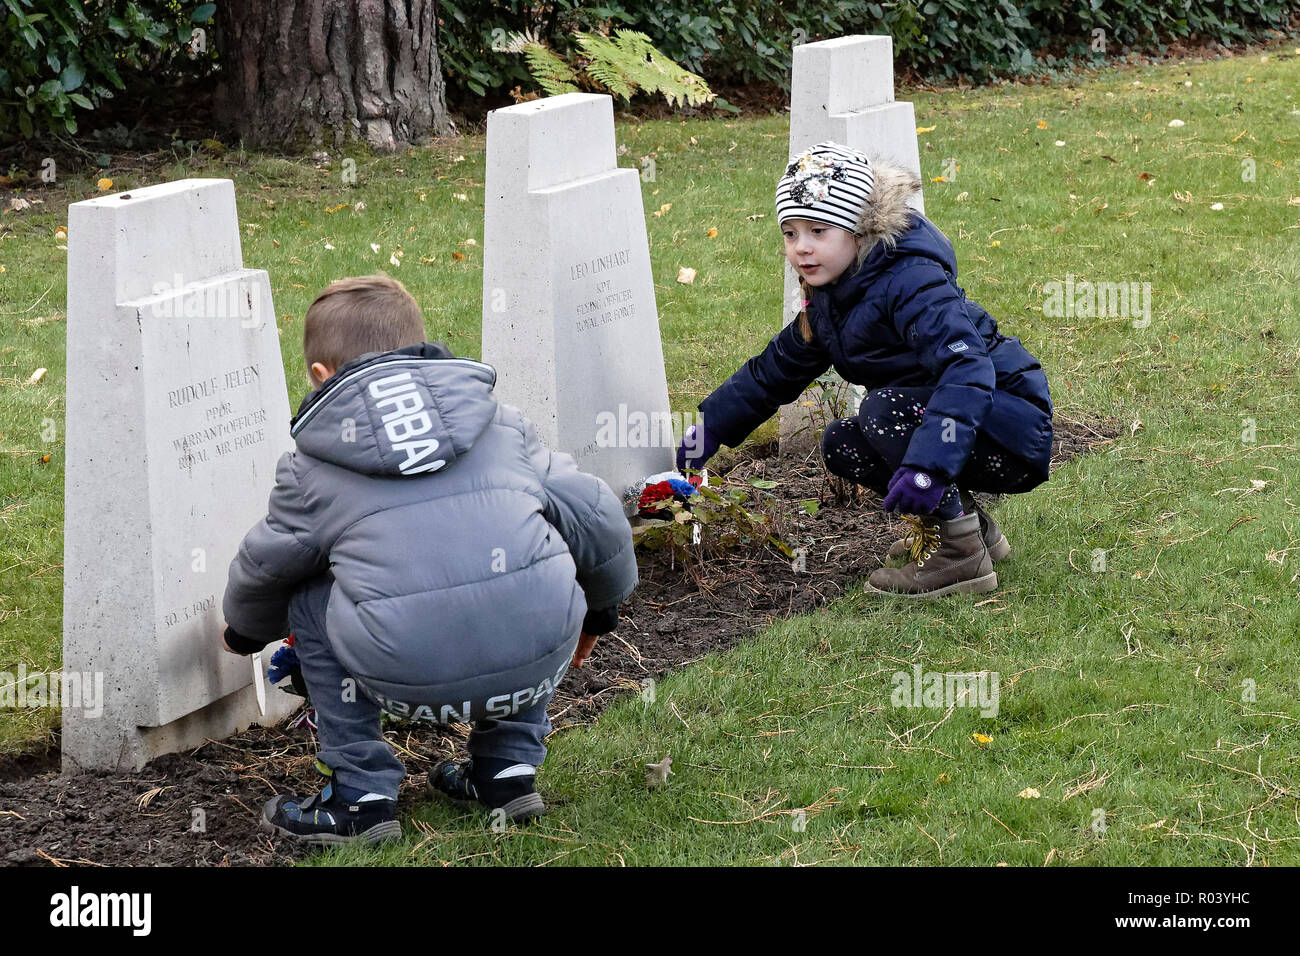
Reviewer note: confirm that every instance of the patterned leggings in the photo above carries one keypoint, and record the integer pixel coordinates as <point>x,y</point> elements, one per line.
<point>870,448</point>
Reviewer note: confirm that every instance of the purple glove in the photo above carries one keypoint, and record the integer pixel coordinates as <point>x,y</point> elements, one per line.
<point>697,447</point>
<point>913,492</point>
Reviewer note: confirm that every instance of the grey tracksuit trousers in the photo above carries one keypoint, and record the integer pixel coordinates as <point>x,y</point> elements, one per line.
<point>347,721</point>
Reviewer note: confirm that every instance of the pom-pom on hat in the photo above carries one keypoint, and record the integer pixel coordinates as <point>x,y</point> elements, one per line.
<point>826,183</point>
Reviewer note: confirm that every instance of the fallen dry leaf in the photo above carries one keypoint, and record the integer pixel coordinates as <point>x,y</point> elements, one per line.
<point>925,129</point>
<point>686,276</point>
<point>657,774</point>
<point>36,376</point>
<point>712,233</point>
<point>662,209</point>
<point>105,185</point>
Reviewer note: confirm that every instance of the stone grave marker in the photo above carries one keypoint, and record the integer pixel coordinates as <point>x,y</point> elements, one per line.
<point>569,315</point>
<point>843,90</point>
<point>177,412</point>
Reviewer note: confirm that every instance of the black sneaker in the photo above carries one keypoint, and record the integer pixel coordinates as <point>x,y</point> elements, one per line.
<point>326,818</point>
<point>496,784</point>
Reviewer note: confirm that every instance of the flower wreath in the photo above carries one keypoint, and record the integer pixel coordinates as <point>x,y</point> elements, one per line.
<point>660,487</point>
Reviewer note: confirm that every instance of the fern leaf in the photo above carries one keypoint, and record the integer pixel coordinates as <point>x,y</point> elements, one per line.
<point>550,71</point>
<point>606,64</point>
<point>649,70</point>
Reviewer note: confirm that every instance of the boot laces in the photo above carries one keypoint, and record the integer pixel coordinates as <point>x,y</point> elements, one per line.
<point>923,539</point>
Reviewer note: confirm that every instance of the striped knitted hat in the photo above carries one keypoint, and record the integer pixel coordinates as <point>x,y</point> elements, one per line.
<point>826,183</point>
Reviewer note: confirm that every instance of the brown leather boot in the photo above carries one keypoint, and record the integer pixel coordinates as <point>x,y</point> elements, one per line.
<point>994,540</point>
<point>951,559</point>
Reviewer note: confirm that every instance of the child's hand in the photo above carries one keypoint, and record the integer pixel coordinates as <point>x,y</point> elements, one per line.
<point>585,643</point>
<point>697,447</point>
<point>913,492</point>
<point>224,646</point>
<point>227,632</point>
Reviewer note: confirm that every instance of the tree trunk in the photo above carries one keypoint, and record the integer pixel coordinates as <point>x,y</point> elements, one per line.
<point>299,72</point>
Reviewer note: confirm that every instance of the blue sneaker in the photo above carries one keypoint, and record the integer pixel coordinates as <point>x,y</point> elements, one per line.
<point>495,784</point>
<point>326,818</point>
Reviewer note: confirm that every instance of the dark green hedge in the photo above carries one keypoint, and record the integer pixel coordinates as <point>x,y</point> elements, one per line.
<point>744,41</point>
<point>61,56</point>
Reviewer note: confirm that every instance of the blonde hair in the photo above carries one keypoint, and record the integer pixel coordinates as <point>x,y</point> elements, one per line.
<point>355,316</point>
<point>805,327</point>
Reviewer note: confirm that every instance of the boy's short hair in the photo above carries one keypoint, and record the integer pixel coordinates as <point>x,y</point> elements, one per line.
<point>359,315</point>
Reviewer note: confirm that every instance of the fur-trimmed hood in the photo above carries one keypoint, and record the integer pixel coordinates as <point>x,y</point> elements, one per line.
<point>886,216</point>
<point>891,230</point>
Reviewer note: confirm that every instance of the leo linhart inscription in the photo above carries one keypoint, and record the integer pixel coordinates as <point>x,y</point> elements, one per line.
<point>605,304</point>
<point>612,260</point>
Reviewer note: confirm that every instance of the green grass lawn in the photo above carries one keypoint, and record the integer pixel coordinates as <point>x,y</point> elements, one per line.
<point>1126,694</point>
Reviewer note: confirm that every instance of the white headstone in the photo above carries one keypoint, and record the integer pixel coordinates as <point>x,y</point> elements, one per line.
<point>176,414</point>
<point>569,315</point>
<point>842,90</point>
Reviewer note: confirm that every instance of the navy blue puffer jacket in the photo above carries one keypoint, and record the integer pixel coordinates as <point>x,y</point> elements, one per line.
<point>901,320</point>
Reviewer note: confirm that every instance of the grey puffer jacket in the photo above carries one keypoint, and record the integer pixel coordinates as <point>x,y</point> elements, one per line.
<point>464,553</point>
